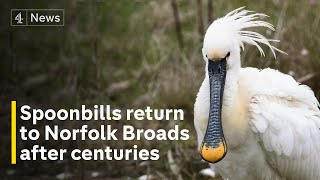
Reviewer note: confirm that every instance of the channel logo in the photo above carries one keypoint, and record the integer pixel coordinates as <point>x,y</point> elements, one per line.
<point>37,17</point>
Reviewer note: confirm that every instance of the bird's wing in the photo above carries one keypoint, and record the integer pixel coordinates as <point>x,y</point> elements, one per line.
<point>286,120</point>
<point>289,132</point>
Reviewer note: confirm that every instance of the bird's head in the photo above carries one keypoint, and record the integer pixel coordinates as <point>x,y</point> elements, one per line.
<point>218,45</point>
<point>226,35</point>
<point>222,44</point>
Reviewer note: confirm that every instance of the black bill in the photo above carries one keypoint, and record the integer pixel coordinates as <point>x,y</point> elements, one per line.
<point>214,147</point>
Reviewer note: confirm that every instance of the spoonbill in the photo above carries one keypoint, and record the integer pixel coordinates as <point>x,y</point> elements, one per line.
<point>252,123</point>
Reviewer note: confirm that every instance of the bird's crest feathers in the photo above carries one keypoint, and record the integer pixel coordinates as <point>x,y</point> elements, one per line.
<point>240,19</point>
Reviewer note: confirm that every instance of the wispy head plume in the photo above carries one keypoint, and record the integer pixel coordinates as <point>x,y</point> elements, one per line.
<point>237,21</point>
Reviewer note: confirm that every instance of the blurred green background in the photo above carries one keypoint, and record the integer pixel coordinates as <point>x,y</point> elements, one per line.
<point>133,54</point>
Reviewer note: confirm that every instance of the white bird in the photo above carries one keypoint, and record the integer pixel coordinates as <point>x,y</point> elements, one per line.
<point>251,123</point>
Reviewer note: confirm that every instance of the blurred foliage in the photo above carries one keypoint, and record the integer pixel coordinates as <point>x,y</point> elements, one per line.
<point>126,53</point>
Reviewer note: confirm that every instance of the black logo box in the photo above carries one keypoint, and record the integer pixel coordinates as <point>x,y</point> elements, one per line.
<point>37,17</point>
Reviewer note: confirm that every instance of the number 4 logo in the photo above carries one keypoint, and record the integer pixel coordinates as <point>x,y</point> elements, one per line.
<point>18,17</point>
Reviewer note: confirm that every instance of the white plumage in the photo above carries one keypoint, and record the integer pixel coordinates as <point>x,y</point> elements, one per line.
<point>271,123</point>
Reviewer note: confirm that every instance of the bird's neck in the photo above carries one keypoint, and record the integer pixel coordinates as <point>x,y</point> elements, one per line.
<point>234,111</point>
<point>231,89</point>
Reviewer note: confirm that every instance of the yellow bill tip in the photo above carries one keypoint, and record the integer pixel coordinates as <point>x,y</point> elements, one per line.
<point>213,154</point>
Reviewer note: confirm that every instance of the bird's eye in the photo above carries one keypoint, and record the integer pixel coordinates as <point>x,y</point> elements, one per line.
<point>228,54</point>
<point>207,56</point>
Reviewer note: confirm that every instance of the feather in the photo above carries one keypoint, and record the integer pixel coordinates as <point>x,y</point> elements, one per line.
<point>236,21</point>
<point>290,111</point>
